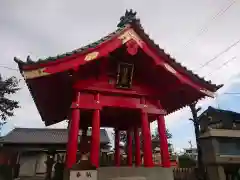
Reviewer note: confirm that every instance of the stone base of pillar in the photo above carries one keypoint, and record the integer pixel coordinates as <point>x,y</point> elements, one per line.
<point>139,173</point>
<point>84,169</point>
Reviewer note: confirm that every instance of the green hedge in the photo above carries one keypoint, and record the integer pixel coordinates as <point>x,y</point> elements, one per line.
<point>185,161</point>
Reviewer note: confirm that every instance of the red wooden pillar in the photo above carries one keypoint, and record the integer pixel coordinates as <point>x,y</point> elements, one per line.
<point>137,147</point>
<point>117,148</point>
<point>147,143</point>
<point>72,145</point>
<point>129,147</point>
<point>95,141</point>
<point>163,142</point>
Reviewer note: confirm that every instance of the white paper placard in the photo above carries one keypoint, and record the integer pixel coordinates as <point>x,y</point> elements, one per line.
<point>83,175</point>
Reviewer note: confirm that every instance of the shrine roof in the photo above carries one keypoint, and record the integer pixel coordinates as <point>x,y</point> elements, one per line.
<point>128,20</point>
<point>76,51</point>
<point>43,136</point>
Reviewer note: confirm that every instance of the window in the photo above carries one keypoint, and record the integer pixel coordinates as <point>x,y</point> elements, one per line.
<point>124,75</point>
<point>210,118</point>
<point>229,146</point>
<point>218,125</point>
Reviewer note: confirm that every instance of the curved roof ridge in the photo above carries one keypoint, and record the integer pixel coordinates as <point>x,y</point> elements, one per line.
<point>75,51</point>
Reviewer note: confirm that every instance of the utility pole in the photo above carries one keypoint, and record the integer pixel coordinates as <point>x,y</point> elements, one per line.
<point>194,110</point>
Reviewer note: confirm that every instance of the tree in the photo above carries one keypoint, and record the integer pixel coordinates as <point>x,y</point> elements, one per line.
<point>123,136</point>
<point>195,120</point>
<point>8,87</point>
<point>186,162</point>
<point>155,135</point>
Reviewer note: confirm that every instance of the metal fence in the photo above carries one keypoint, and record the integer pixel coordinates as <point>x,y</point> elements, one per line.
<point>184,174</point>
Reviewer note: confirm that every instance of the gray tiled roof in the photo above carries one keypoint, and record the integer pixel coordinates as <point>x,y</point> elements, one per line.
<point>211,110</point>
<point>43,136</point>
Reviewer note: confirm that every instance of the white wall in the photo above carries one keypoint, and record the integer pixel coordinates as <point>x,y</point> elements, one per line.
<point>41,165</point>
<point>32,164</point>
<point>27,165</point>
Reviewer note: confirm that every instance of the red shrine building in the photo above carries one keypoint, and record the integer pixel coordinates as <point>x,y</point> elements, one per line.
<point>123,81</point>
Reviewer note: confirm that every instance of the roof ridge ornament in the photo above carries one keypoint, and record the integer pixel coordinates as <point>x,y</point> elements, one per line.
<point>29,59</point>
<point>129,17</point>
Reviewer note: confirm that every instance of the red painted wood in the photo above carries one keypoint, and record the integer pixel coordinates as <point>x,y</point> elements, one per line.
<point>72,145</point>
<point>102,85</point>
<point>129,147</point>
<point>151,80</point>
<point>109,100</point>
<point>87,101</point>
<point>160,62</point>
<point>163,142</point>
<point>150,109</point>
<point>147,144</point>
<point>95,141</point>
<point>117,148</point>
<point>132,47</point>
<point>137,147</point>
<point>104,48</point>
<point>80,60</point>
<point>119,101</point>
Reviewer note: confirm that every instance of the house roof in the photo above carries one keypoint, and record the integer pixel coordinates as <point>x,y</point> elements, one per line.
<point>43,136</point>
<point>212,110</point>
<point>129,19</point>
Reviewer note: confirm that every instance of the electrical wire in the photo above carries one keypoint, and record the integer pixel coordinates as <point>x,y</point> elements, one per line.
<point>231,93</point>
<point>202,30</point>
<point>219,54</point>
<point>9,68</point>
<point>210,74</point>
<point>221,12</point>
<point>224,64</point>
<point>205,28</point>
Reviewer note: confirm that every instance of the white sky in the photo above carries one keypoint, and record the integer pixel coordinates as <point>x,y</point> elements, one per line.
<point>192,31</point>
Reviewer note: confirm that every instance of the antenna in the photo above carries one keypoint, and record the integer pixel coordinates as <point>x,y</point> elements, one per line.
<point>217,103</point>
<point>190,143</point>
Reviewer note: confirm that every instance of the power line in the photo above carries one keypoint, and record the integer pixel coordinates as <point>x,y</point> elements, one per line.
<point>224,64</point>
<point>231,93</point>
<point>221,12</point>
<point>219,54</point>
<point>205,28</point>
<point>9,68</point>
<point>205,64</point>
